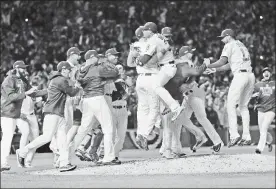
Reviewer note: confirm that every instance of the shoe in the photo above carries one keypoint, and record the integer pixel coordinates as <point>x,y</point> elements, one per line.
<point>269,147</point>
<point>68,167</point>
<point>233,142</point>
<point>244,142</point>
<point>116,158</point>
<point>142,142</point>
<point>180,155</point>
<point>91,157</point>
<point>113,162</point>
<point>198,144</point>
<point>20,160</point>
<point>28,165</point>
<point>5,167</point>
<point>156,130</point>
<point>101,156</point>
<point>80,154</point>
<point>100,162</point>
<point>217,147</point>
<point>177,112</point>
<point>258,151</point>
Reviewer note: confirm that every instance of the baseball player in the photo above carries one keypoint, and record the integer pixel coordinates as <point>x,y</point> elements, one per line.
<point>158,44</point>
<point>242,85</point>
<point>148,101</point>
<point>94,104</point>
<point>265,93</point>
<point>28,124</point>
<point>120,115</point>
<point>54,121</point>
<point>12,95</point>
<point>73,57</point>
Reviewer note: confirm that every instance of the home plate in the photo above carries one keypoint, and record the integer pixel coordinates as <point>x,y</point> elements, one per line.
<point>239,163</point>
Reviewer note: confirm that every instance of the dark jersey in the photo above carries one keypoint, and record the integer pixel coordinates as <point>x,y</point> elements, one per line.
<point>266,99</point>
<point>121,87</point>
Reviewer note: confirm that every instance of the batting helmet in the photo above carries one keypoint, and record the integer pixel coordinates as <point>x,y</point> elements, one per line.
<point>227,32</point>
<point>139,32</point>
<point>267,69</point>
<point>184,50</point>
<point>166,31</point>
<point>151,26</point>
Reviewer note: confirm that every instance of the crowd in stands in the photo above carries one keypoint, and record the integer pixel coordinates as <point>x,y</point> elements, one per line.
<point>41,32</point>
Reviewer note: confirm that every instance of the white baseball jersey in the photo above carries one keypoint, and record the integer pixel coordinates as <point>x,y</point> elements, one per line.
<point>158,43</point>
<point>27,106</point>
<point>238,56</point>
<point>141,46</point>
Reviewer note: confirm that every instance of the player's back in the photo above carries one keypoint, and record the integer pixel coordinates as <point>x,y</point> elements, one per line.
<point>160,43</point>
<point>238,56</point>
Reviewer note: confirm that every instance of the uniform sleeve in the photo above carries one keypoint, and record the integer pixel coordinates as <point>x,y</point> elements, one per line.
<point>256,88</point>
<point>151,49</point>
<point>40,93</point>
<point>12,94</point>
<point>107,71</point>
<point>70,90</point>
<point>226,52</point>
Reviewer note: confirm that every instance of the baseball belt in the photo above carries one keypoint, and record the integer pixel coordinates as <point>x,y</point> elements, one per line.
<point>146,74</point>
<point>108,95</point>
<point>119,107</point>
<point>170,62</point>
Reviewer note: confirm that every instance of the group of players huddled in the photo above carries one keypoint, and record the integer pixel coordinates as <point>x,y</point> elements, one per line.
<point>167,91</point>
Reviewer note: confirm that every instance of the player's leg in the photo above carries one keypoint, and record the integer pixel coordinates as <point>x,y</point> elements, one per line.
<point>86,122</point>
<point>8,126</point>
<point>269,140</point>
<point>245,97</point>
<point>34,133</point>
<point>50,125</point>
<point>104,115</point>
<point>185,120</point>
<point>233,97</point>
<point>121,130</point>
<point>198,106</point>
<point>24,128</point>
<point>165,74</point>
<point>91,152</point>
<point>266,119</point>
<point>167,135</point>
<point>80,151</point>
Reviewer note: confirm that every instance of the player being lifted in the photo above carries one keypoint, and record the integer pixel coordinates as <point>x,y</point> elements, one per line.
<point>265,93</point>
<point>235,56</point>
<point>158,44</point>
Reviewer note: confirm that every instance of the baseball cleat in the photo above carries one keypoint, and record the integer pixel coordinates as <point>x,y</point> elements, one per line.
<point>142,142</point>
<point>101,156</point>
<point>80,154</point>
<point>257,151</point>
<point>244,142</point>
<point>20,160</point>
<point>198,144</point>
<point>91,157</point>
<point>113,162</point>
<point>177,112</point>
<point>180,155</point>
<point>5,167</point>
<point>68,167</point>
<point>28,165</point>
<point>233,142</point>
<point>217,147</point>
<point>269,147</point>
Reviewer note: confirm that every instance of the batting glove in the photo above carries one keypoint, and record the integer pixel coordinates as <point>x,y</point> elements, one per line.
<point>210,70</point>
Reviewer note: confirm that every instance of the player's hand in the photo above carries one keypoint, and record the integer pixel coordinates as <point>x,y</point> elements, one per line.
<point>255,95</point>
<point>207,61</point>
<point>31,91</point>
<point>210,71</point>
<point>24,117</point>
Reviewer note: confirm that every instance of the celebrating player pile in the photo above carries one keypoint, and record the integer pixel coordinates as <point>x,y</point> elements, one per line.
<point>166,88</point>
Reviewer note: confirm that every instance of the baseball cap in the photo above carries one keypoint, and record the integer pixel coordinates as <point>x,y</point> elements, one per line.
<point>166,31</point>
<point>150,26</point>
<point>101,56</point>
<point>91,53</point>
<point>139,31</point>
<point>73,50</point>
<point>266,69</point>
<point>227,32</point>
<point>20,64</point>
<point>112,51</point>
<point>63,65</point>
<point>185,49</point>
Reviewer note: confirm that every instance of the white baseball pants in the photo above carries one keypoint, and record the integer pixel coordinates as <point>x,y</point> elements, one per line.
<point>96,109</point>
<point>240,93</point>
<point>166,72</point>
<point>120,119</point>
<point>264,121</point>
<point>8,126</point>
<point>29,132</point>
<point>148,105</point>
<point>52,124</point>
